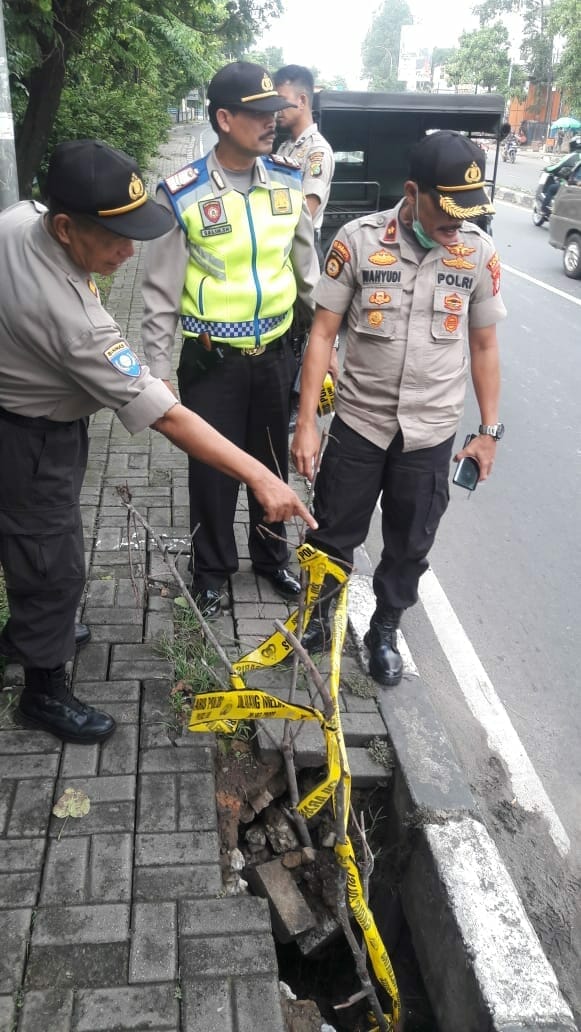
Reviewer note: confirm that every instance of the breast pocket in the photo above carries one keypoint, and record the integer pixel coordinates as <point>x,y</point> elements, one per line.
<point>380,311</point>
<point>450,314</point>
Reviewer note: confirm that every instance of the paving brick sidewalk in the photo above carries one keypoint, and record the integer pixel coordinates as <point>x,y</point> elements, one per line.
<point>116,921</point>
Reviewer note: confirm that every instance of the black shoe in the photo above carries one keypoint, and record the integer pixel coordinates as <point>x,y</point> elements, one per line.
<point>69,718</point>
<point>385,662</point>
<point>209,602</point>
<point>82,635</point>
<point>317,637</point>
<point>283,582</point>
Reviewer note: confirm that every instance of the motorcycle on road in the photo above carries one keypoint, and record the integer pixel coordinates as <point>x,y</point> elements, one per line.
<point>509,152</point>
<point>550,180</point>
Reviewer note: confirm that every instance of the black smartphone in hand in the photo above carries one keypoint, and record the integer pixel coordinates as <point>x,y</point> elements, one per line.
<point>467,472</point>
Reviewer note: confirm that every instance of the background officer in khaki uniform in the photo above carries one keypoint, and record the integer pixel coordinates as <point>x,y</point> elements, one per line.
<point>309,148</point>
<point>62,357</point>
<point>416,282</point>
<point>305,145</point>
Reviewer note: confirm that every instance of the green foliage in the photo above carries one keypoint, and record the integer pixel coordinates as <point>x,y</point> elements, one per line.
<point>482,59</point>
<point>271,58</point>
<point>380,48</point>
<point>565,19</point>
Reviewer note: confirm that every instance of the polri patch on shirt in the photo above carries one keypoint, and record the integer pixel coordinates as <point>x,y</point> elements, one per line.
<point>316,163</point>
<point>280,201</point>
<point>123,358</point>
<point>212,212</point>
<point>493,267</point>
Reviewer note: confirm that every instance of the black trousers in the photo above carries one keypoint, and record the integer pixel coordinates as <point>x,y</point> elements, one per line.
<point>414,493</point>
<point>247,400</point>
<point>42,465</point>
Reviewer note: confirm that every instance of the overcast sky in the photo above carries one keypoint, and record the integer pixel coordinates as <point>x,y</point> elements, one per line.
<point>328,33</point>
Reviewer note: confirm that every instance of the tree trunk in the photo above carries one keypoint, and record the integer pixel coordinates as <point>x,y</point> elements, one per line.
<point>45,88</point>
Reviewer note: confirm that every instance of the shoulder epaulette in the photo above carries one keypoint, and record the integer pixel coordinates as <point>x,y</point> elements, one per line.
<point>184,177</point>
<point>279,159</point>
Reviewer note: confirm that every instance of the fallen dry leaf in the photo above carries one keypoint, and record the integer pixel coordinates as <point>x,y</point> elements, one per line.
<point>73,803</point>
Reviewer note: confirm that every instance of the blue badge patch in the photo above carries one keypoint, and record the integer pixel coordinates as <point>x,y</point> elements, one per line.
<point>123,358</point>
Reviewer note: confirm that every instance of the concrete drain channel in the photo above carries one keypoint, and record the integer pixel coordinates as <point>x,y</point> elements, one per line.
<point>262,854</point>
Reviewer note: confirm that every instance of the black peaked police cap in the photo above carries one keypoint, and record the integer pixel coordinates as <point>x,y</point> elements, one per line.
<point>454,169</point>
<point>87,177</point>
<point>246,86</point>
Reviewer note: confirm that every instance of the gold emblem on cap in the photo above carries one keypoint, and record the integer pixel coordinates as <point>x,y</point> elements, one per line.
<point>136,187</point>
<point>267,83</point>
<point>473,173</point>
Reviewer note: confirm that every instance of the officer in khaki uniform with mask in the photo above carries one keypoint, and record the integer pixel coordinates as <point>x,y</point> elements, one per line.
<point>62,357</point>
<point>416,282</point>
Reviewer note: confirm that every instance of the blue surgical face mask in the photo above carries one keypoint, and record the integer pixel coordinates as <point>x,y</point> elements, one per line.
<point>419,232</point>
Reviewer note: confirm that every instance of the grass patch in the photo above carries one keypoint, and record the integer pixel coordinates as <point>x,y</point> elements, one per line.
<point>104,283</point>
<point>193,660</point>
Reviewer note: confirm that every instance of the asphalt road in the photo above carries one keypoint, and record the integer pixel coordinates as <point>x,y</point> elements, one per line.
<point>509,563</point>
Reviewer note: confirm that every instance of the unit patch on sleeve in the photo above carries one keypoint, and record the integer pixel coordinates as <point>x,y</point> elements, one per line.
<point>123,358</point>
<point>342,250</point>
<point>280,201</point>
<point>493,267</point>
<point>184,177</point>
<point>316,163</point>
<point>333,265</point>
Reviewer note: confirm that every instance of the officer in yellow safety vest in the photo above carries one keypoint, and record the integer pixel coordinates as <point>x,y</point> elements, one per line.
<point>241,250</point>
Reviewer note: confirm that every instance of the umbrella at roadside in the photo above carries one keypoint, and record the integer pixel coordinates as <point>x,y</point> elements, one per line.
<point>565,122</point>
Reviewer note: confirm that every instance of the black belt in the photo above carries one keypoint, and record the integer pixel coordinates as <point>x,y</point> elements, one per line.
<point>34,422</point>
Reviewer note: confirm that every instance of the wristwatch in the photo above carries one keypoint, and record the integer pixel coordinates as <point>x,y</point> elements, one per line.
<point>496,430</point>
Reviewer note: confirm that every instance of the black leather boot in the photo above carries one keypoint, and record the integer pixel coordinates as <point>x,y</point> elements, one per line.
<point>46,703</point>
<point>317,637</point>
<point>385,662</point>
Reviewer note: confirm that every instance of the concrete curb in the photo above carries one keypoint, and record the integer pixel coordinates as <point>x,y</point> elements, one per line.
<point>481,960</point>
<point>519,197</point>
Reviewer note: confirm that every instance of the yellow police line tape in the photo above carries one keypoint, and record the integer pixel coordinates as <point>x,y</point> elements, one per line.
<point>221,710</point>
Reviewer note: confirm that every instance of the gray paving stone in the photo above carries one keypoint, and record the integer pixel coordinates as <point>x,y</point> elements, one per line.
<point>157,806</point>
<point>117,634</point>
<point>65,872</point>
<point>176,848</point>
<point>207,1005</point>
<point>227,916</point>
<point>137,661</point>
<point>105,1010</point>
<point>365,771</point>
<point>197,802</point>
<point>31,807</point>
<point>112,614</point>
<point>29,765</point>
<point>119,753</point>
<point>160,604</point>
<point>130,593</point>
<point>257,1003</point>
<point>234,955</point>
<point>101,692</point>
<point>77,925</point>
<point>110,870</point>
<point>158,626</point>
<point>92,662</point>
<point>7,1011</point>
<point>78,966</point>
<point>21,742</point>
<point>184,882</point>
<point>153,955</point>
<point>103,789</point>
<point>21,854</point>
<point>7,790</point>
<point>178,760</point>
<point>15,932</point>
<point>100,593</point>
<point>79,760</point>
<point>49,1011</point>
<point>19,889</point>
<point>102,817</point>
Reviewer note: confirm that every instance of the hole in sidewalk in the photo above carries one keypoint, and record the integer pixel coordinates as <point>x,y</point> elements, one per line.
<point>261,848</point>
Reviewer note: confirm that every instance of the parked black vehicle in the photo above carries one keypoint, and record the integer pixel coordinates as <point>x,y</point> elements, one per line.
<point>371,135</point>
<point>550,180</point>
<point>565,223</point>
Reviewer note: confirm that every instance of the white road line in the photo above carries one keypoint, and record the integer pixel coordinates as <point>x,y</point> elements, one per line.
<point>487,707</point>
<point>539,283</point>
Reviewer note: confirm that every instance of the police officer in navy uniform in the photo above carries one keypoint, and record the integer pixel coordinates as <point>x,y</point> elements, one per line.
<point>241,249</point>
<point>420,285</point>
<point>62,358</point>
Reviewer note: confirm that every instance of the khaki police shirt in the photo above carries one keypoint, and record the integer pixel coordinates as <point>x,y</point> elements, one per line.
<point>62,356</point>
<point>315,156</point>
<point>409,313</point>
<point>167,258</point>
